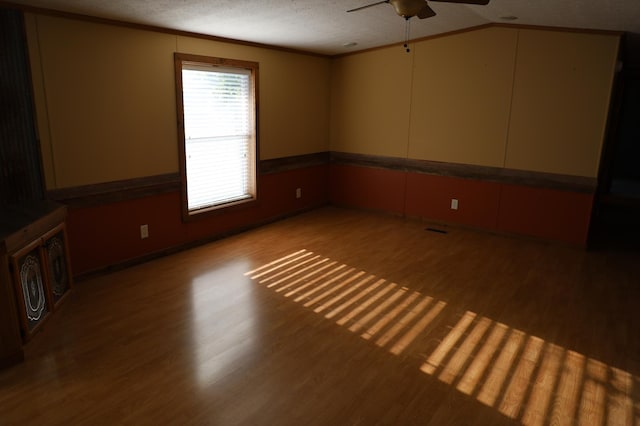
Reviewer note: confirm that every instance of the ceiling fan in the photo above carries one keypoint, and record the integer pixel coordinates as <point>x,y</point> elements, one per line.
<point>410,8</point>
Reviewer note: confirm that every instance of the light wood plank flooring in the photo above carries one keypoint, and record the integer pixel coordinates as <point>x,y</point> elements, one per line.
<point>340,317</point>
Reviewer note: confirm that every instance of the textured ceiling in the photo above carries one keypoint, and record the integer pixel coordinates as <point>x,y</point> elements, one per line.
<point>325,27</point>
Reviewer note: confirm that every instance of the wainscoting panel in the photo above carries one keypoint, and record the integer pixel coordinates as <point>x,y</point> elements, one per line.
<point>430,196</point>
<point>107,233</point>
<point>367,187</point>
<point>545,213</point>
<point>104,225</point>
<point>533,208</point>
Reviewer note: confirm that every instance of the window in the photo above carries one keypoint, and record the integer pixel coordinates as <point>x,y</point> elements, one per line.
<point>217,132</point>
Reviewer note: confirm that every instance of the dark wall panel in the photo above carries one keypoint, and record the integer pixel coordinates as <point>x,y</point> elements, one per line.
<point>20,166</point>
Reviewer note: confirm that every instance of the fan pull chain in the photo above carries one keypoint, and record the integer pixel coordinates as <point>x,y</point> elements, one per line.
<point>406,35</point>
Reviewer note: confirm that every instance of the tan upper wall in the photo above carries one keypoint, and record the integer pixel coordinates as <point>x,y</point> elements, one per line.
<point>108,98</point>
<point>527,99</point>
<point>105,99</point>
<point>461,95</point>
<point>507,97</point>
<point>560,101</point>
<point>370,101</point>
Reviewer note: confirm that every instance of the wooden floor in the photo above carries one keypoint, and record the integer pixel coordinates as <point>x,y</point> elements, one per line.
<point>338,317</point>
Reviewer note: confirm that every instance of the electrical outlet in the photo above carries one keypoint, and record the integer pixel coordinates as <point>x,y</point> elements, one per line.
<point>298,192</point>
<point>454,204</point>
<point>144,231</point>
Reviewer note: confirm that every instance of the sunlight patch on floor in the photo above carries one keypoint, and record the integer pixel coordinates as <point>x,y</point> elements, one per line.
<point>531,380</point>
<point>522,376</point>
<point>390,315</point>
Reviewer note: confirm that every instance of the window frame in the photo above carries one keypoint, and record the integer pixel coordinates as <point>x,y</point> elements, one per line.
<point>179,60</point>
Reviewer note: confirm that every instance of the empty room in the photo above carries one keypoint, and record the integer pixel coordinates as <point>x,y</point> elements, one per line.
<point>404,212</point>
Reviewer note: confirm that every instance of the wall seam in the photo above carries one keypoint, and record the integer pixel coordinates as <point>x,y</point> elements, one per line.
<point>513,85</point>
<point>406,171</point>
<point>506,142</point>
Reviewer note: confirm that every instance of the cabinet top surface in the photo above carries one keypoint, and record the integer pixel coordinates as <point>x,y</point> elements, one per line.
<point>17,218</point>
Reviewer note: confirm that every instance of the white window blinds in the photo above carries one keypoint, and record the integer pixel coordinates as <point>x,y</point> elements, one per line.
<point>219,135</point>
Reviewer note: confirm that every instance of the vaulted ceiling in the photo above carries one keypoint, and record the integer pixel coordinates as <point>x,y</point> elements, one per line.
<point>325,27</point>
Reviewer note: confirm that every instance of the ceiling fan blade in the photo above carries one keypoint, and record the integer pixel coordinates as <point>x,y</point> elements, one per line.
<point>426,12</point>
<point>479,2</point>
<point>368,5</point>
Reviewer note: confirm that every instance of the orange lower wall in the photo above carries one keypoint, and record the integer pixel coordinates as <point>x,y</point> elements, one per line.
<point>545,213</point>
<point>430,197</point>
<point>516,209</point>
<point>109,234</point>
<point>367,187</point>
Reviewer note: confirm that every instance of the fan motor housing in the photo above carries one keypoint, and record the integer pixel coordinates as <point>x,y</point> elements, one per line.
<point>407,8</point>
